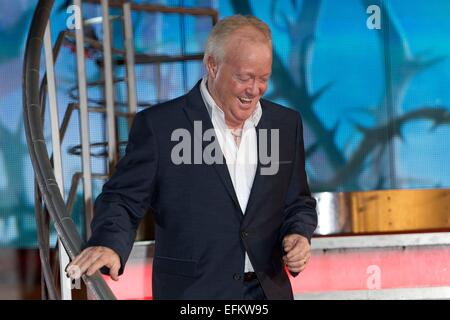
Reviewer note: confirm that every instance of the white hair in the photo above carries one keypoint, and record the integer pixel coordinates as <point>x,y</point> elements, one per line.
<point>217,39</point>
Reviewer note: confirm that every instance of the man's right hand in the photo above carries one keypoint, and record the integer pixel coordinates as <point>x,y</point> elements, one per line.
<point>92,259</point>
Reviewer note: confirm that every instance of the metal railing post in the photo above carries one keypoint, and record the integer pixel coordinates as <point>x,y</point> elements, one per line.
<point>84,123</point>
<point>109,89</point>
<point>129,52</point>
<point>66,292</point>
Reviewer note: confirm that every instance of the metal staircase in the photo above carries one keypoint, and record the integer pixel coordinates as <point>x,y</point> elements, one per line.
<point>50,203</point>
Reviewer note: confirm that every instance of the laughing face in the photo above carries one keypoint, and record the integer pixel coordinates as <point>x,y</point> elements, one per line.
<point>238,82</point>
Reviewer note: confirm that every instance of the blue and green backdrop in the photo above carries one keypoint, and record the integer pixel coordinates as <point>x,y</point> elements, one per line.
<point>375,100</point>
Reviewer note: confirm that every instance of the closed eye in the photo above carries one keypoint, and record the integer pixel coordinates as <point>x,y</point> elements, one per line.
<point>244,78</point>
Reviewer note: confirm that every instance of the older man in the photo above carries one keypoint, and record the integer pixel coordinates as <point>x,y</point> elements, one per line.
<point>224,229</point>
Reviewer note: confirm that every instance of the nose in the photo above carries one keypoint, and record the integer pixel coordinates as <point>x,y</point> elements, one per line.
<point>253,88</point>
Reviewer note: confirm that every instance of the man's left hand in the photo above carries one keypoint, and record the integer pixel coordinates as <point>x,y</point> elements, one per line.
<point>298,252</point>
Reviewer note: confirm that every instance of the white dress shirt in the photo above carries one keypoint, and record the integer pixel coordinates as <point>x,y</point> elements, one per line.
<point>241,159</point>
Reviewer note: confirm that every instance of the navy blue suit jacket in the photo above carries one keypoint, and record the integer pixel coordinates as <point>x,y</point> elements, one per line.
<point>201,234</point>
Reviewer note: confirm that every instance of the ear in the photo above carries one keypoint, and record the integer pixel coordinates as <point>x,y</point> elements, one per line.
<point>211,66</point>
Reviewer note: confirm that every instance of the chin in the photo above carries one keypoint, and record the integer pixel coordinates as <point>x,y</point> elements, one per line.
<point>245,115</point>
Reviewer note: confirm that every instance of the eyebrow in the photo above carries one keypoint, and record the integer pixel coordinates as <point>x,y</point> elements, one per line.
<point>252,74</point>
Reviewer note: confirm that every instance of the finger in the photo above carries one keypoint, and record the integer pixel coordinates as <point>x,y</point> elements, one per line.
<point>292,269</point>
<point>87,259</point>
<point>298,256</point>
<point>76,260</point>
<point>72,270</point>
<point>105,261</point>
<point>295,256</point>
<point>300,261</point>
<point>82,256</point>
<point>288,244</point>
<point>296,268</point>
<point>300,247</point>
<point>302,268</point>
<point>84,264</point>
<point>96,265</point>
<point>114,271</point>
<point>296,251</point>
<point>298,265</point>
<point>295,264</point>
<point>287,240</point>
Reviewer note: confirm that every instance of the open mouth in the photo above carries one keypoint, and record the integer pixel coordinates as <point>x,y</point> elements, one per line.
<point>245,101</point>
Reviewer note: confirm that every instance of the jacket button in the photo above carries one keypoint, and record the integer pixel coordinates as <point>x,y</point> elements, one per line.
<point>244,234</point>
<point>237,276</point>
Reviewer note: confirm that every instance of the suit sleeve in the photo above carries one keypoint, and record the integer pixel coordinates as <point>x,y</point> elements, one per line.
<point>126,197</point>
<point>300,216</point>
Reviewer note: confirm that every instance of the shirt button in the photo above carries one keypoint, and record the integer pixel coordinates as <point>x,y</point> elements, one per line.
<point>237,276</point>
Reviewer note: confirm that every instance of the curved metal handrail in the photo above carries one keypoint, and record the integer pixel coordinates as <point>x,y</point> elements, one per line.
<point>45,177</point>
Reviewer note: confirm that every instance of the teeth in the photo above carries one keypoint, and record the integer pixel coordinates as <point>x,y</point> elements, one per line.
<point>244,100</point>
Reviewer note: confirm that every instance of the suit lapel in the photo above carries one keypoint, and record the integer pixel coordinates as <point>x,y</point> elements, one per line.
<point>259,180</point>
<point>196,111</point>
